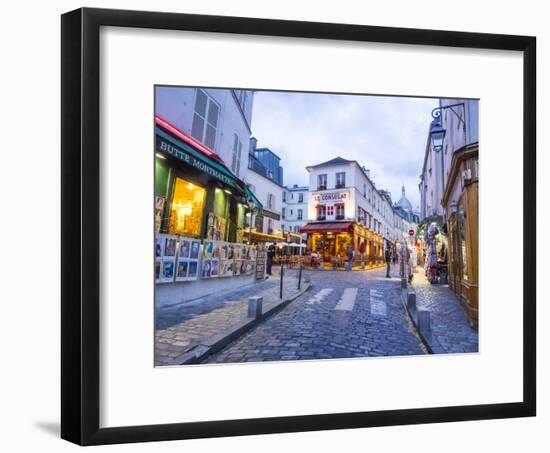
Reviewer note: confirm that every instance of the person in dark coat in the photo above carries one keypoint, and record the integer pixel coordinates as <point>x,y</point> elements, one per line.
<point>388,257</point>
<point>270,255</point>
<point>351,253</point>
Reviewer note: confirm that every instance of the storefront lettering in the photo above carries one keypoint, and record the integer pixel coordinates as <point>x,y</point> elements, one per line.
<point>331,196</point>
<point>270,214</point>
<point>194,162</point>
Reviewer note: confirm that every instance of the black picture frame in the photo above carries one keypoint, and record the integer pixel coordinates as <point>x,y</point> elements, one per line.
<point>80,260</point>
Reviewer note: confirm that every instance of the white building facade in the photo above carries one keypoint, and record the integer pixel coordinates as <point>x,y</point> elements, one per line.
<point>219,119</point>
<point>460,119</point>
<point>295,208</point>
<point>347,210</point>
<point>266,221</point>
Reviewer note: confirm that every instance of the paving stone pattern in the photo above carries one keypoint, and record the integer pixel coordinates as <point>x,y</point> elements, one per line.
<point>334,319</point>
<point>449,321</point>
<point>181,327</point>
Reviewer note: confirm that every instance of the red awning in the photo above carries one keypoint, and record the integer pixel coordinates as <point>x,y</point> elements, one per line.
<point>326,227</point>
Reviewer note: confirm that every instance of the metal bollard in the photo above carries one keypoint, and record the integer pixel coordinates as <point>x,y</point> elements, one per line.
<point>255,307</point>
<point>424,320</point>
<point>281,287</point>
<point>300,277</point>
<point>411,300</point>
<point>403,282</point>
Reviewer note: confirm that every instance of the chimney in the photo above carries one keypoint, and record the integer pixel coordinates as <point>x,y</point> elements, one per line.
<point>253,144</point>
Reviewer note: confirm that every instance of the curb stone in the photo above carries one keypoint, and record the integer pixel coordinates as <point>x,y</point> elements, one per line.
<point>216,343</point>
<point>427,338</point>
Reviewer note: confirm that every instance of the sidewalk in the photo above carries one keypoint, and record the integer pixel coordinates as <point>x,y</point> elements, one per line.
<point>185,330</point>
<point>450,328</point>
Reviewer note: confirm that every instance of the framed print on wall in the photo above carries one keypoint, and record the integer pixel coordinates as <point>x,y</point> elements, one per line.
<point>328,214</point>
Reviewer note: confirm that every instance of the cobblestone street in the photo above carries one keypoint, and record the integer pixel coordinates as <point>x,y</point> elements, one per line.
<point>345,314</point>
<point>450,326</point>
<point>181,327</point>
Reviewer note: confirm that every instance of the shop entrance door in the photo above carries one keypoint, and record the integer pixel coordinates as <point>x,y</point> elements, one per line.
<point>328,251</point>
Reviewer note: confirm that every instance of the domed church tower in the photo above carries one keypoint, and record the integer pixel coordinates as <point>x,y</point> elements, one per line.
<point>404,203</point>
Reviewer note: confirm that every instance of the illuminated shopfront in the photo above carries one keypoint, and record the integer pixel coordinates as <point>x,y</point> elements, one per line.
<point>196,195</point>
<point>186,208</point>
<point>460,201</point>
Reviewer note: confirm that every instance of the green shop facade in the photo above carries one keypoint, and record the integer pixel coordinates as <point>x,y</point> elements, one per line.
<point>196,195</point>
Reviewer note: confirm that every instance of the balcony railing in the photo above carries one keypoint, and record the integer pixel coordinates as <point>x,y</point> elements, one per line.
<point>321,187</point>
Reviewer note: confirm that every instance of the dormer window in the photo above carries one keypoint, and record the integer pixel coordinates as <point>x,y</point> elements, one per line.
<point>322,182</point>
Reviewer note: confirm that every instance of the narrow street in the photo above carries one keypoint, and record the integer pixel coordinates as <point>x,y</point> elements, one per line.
<point>345,314</point>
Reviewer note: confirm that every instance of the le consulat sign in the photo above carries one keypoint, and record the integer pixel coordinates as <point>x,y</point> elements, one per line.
<point>331,196</point>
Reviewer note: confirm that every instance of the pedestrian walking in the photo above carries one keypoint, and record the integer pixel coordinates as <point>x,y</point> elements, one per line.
<point>270,255</point>
<point>351,252</point>
<point>388,258</point>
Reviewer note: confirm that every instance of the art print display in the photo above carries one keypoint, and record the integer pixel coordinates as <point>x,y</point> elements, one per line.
<point>216,227</point>
<point>158,265</point>
<point>193,270</point>
<point>159,209</point>
<point>182,270</point>
<point>167,270</point>
<point>185,247</point>
<point>170,246</point>
<point>159,246</point>
<point>211,249</point>
<point>195,250</point>
<point>227,268</point>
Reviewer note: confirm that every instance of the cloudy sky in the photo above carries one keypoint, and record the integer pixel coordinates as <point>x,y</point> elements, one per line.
<point>385,134</point>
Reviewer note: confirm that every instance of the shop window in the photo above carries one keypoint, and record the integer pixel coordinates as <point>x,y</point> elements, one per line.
<point>236,155</point>
<point>462,241</point>
<point>340,211</point>
<point>270,201</point>
<point>321,212</point>
<point>330,210</point>
<point>205,119</point>
<point>217,219</point>
<point>259,223</point>
<point>340,180</point>
<point>322,182</point>
<point>269,226</point>
<point>186,208</point>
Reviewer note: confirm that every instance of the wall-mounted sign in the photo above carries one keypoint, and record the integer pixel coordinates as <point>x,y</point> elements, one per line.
<point>331,196</point>
<point>269,214</point>
<point>166,147</point>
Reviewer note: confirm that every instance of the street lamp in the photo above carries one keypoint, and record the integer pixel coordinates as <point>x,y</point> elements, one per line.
<point>437,131</point>
<point>251,205</point>
<point>437,134</point>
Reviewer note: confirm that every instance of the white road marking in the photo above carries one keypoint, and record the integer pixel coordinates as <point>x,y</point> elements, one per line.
<point>319,296</point>
<point>347,301</point>
<point>377,303</point>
